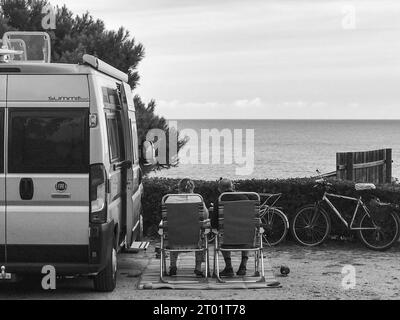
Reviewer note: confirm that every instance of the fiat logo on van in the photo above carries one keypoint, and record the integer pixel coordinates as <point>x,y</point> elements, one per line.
<point>61,186</point>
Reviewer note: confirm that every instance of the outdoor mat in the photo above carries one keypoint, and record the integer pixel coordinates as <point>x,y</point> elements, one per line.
<point>150,278</point>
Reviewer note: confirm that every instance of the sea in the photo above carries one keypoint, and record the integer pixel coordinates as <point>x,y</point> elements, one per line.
<point>270,149</point>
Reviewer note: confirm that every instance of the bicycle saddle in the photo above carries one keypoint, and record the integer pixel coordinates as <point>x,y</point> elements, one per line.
<point>365,186</point>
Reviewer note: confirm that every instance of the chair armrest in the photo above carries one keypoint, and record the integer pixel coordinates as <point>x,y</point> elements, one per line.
<point>161,228</point>
<point>206,226</point>
<point>259,227</point>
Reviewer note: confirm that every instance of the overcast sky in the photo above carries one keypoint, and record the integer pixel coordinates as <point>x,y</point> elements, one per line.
<point>263,59</point>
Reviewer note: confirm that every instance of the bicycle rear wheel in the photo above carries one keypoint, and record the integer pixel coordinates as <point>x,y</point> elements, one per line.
<point>275,225</point>
<point>385,234</point>
<point>311,226</point>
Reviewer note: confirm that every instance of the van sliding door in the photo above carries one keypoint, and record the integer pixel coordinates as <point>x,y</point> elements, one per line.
<point>2,190</point>
<point>3,104</point>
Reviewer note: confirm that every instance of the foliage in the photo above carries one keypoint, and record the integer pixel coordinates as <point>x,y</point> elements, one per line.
<point>149,120</point>
<point>295,194</point>
<point>77,35</point>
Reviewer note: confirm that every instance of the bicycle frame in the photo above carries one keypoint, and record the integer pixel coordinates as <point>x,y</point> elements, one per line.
<point>269,196</point>
<point>360,203</point>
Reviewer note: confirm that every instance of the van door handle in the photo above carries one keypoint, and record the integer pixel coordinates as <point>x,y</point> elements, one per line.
<point>26,189</point>
<point>61,195</point>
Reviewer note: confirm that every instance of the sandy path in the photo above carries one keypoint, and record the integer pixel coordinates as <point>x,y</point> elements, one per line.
<point>315,274</point>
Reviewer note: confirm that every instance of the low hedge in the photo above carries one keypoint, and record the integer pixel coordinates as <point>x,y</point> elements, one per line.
<point>296,193</point>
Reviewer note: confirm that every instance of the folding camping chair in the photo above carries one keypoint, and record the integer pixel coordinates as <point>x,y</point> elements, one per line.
<point>240,230</point>
<point>183,229</point>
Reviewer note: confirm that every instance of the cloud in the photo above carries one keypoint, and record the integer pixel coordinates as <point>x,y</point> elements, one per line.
<point>245,103</point>
<point>259,109</point>
<point>273,59</point>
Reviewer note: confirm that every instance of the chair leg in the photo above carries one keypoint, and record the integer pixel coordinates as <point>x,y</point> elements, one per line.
<point>217,265</point>
<point>206,262</point>
<point>165,263</point>
<point>214,263</point>
<point>205,253</point>
<point>255,262</point>
<point>162,265</point>
<point>262,259</point>
<point>216,260</point>
<point>262,263</point>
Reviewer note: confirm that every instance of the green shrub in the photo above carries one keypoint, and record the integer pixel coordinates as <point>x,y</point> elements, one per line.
<point>295,194</point>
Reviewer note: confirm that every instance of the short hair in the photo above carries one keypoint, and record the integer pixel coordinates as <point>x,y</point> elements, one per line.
<point>186,186</point>
<point>225,185</point>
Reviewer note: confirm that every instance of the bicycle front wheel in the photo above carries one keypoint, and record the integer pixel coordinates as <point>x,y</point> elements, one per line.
<point>381,232</point>
<point>275,225</point>
<point>311,226</point>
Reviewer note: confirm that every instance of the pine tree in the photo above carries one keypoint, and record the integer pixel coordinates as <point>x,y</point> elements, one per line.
<point>77,35</point>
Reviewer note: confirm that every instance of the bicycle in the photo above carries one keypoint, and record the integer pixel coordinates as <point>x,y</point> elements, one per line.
<point>311,224</point>
<point>274,222</point>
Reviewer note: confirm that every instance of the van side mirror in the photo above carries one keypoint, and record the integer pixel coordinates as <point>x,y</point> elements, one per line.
<point>148,153</point>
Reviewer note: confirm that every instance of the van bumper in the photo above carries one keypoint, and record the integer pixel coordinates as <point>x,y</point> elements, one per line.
<point>62,269</point>
<point>95,259</point>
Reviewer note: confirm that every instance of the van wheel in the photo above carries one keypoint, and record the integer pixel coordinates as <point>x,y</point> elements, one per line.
<point>106,280</point>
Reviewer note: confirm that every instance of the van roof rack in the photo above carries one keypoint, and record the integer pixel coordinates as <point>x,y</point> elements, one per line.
<point>104,67</point>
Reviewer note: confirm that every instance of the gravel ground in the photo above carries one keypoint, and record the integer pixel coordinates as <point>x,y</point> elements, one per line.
<point>315,274</point>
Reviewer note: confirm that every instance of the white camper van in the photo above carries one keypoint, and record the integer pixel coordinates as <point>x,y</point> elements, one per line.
<point>70,180</point>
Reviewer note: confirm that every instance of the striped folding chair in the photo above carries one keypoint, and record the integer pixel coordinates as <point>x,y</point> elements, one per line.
<point>240,230</point>
<point>183,229</point>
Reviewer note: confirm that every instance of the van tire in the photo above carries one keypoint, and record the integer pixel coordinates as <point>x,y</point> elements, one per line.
<point>106,280</point>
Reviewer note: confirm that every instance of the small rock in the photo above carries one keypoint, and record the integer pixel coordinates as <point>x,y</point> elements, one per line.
<point>134,274</point>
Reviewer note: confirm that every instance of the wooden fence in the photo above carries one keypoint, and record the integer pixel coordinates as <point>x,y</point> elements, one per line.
<point>370,166</point>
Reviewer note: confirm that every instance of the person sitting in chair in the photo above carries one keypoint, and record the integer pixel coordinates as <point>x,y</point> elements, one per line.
<point>186,186</point>
<point>226,185</point>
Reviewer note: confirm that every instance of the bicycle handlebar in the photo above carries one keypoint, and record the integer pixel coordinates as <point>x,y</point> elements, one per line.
<point>322,182</point>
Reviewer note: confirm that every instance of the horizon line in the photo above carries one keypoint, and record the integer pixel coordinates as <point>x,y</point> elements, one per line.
<point>280,119</point>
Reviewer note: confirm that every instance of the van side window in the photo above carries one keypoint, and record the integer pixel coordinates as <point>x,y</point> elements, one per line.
<point>1,141</point>
<point>122,94</point>
<point>135,152</point>
<point>113,140</point>
<point>48,140</point>
<point>111,97</point>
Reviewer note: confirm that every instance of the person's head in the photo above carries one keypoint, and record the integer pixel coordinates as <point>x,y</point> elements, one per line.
<point>225,185</point>
<point>186,186</point>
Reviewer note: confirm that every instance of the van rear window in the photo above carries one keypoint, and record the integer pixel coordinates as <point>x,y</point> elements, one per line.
<point>48,140</point>
<point>1,141</point>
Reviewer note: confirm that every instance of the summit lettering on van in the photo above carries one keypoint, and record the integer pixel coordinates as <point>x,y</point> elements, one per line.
<point>68,99</point>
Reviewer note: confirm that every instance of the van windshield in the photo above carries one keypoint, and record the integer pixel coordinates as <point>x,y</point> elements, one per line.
<point>48,140</point>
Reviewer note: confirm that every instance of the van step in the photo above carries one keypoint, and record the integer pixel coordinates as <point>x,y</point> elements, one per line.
<point>140,245</point>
